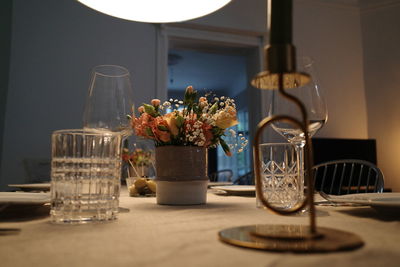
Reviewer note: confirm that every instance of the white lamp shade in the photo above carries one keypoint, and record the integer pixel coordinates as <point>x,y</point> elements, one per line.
<point>156,11</point>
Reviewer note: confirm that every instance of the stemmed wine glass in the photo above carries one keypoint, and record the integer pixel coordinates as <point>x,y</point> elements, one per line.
<point>311,96</point>
<point>109,100</point>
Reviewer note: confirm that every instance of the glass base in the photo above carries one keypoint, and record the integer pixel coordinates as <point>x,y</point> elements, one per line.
<point>82,217</point>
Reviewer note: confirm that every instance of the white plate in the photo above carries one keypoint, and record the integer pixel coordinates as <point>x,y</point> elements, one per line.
<point>24,198</point>
<point>27,187</point>
<point>212,184</point>
<point>376,200</point>
<point>242,190</point>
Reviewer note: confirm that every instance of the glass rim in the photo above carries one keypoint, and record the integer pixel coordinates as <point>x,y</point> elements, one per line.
<point>93,132</point>
<point>123,71</point>
<point>276,144</point>
<point>306,60</point>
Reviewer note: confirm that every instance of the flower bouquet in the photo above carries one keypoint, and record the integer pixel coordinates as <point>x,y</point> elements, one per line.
<point>191,122</point>
<point>182,131</point>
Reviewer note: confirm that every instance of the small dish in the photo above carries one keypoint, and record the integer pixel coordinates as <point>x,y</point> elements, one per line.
<point>22,198</point>
<point>237,190</point>
<point>32,187</point>
<point>391,201</point>
<point>212,184</point>
<point>375,200</point>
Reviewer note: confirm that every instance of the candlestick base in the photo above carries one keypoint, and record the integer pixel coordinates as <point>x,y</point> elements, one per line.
<point>294,238</point>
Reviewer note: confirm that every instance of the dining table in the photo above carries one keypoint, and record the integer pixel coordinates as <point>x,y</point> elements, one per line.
<point>148,234</point>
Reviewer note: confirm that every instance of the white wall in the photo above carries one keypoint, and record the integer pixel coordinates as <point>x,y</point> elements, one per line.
<point>242,15</point>
<point>330,33</point>
<point>381,40</point>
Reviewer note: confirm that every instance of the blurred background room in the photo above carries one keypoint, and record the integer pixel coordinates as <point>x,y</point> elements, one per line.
<point>48,49</point>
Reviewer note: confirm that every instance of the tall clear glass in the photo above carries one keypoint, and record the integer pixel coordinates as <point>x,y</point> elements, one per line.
<point>85,176</point>
<point>109,100</point>
<point>313,99</point>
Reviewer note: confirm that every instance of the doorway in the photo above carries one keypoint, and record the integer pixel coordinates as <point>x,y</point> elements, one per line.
<point>219,62</point>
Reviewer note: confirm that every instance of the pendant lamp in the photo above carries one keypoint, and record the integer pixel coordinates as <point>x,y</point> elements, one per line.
<point>156,11</point>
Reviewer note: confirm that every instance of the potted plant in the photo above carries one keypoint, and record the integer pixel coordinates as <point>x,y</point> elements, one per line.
<point>183,130</point>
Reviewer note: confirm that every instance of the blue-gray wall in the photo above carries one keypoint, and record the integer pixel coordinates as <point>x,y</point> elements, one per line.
<point>54,46</point>
<point>5,48</point>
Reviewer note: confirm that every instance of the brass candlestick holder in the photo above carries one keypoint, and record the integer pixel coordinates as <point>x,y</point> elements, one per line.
<point>281,74</point>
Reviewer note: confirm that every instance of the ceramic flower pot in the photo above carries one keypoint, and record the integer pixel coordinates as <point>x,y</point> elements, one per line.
<point>181,175</point>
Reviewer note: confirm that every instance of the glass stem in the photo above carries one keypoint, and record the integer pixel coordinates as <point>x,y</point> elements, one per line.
<point>300,155</point>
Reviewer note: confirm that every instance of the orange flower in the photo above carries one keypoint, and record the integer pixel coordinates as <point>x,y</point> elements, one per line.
<point>170,118</point>
<point>143,124</point>
<point>207,131</point>
<point>155,102</point>
<point>189,89</point>
<point>160,130</point>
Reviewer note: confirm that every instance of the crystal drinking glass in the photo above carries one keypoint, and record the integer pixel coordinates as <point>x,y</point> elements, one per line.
<point>109,100</point>
<point>280,175</point>
<point>311,96</point>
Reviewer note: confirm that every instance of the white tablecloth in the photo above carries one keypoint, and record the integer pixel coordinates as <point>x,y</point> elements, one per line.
<point>153,235</point>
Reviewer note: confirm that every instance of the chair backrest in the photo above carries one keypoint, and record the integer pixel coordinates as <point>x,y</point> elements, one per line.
<point>221,176</point>
<point>246,179</point>
<point>348,176</point>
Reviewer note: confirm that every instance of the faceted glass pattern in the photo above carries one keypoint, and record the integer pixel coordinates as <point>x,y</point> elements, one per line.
<point>281,180</point>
